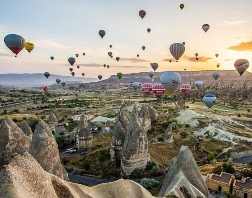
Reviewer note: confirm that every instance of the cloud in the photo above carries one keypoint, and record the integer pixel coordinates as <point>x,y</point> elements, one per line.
<point>244,46</point>
<point>131,66</point>
<point>90,65</point>
<point>168,60</point>
<point>200,58</point>
<point>235,22</point>
<point>47,43</point>
<point>134,60</point>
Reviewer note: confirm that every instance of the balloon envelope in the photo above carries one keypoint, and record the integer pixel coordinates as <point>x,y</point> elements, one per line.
<point>177,50</point>
<point>71,60</point>
<point>154,66</point>
<point>209,99</point>
<point>216,76</point>
<point>241,65</point>
<point>29,46</point>
<point>199,84</point>
<point>14,42</point>
<point>47,74</point>
<point>58,81</point>
<point>142,13</point>
<point>171,80</point>
<point>206,27</point>
<point>102,33</point>
<point>99,77</point>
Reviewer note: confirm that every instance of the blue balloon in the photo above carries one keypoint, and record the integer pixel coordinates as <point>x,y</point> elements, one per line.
<point>209,99</point>
<point>171,80</point>
<point>14,42</point>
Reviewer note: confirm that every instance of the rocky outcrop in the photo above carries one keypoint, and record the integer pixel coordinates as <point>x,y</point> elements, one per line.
<point>183,178</point>
<point>23,177</point>
<point>25,127</point>
<point>83,122</point>
<point>45,150</point>
<point>12,141</point>
<point>52,118</point>
<point>134,121</point>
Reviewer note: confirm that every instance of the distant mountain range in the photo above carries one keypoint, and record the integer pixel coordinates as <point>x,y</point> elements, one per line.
<point>226,76</point>
<point>37,80</point>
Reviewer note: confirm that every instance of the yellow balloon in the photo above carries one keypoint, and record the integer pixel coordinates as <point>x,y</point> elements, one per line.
<point>29,46</point>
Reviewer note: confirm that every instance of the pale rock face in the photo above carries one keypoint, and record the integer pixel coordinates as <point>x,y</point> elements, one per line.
<point>184,176</point>
<point>23,177</point>
<point>134,122</point>
<point>52,118</point>
<point>45,150</point>
<point>83,122</point>
<point>12,141</point>
<point>24,126</point>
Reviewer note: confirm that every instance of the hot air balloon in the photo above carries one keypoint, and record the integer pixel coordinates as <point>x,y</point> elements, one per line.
<point>99,77</point>
<point>71,60</point>
<point>52,57</point>
<point>206,27</point>
<point>171,80</point>
<point>177,50</point>
<point>58,81</point>
<point>45,89</point>
<point>102,33</point>
<point>110,54</point>
<point>148,30</point>
<point>104,65</point>
<point>83,74</point>
<point>181,6</point>
<point>110,46</point>
<point>209,99</point>
<point>216,55</point>
<point>218,65</point>
<point>70,69</point>
<point>183,43</point>
<point>216,75</point>
<point>108,66</point>
<point>185,89</point>
<point>63,84</point>
<point>151,75</point>
<point>199,84</point>
<point>119,75</point>
<point>83,53</point>
<point>14,42</point>
<point>143,47</point>
<point>117,58</point>
<point>47,74</point>
<point>73,73</point>
<point>196,54</point>
<point>138,56</point>
<point>241,65</point>
<point>29,46</point>
<point>78,67</point>
<point>154,66</point>
<point>76,55</point>
<point>142,13</point>
<point>170,60</point>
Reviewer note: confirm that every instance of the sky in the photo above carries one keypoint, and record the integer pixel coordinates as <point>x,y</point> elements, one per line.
<point>62,28</point>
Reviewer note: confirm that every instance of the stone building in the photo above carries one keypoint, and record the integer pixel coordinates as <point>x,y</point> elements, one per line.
<point>220,183</point>
<point>243,188</point>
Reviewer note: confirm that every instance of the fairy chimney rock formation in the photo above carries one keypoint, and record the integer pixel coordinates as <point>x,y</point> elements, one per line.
<point>184,178</point>
<point>134,121</point>
<point>45,150</point>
